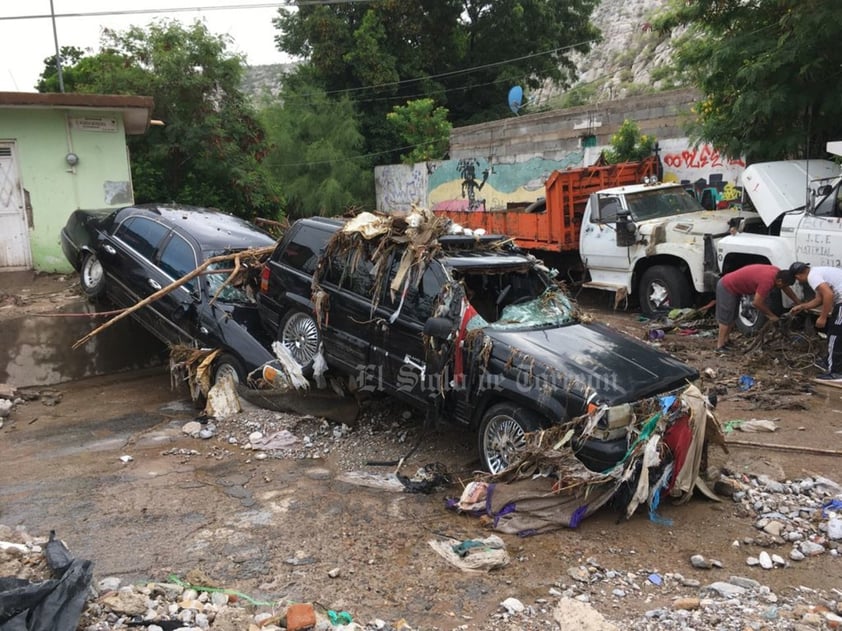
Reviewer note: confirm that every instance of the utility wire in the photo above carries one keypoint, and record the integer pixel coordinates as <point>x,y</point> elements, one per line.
<point>221,7</point>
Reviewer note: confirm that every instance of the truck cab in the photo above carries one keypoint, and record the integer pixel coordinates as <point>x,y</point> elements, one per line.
<point>655,239</point>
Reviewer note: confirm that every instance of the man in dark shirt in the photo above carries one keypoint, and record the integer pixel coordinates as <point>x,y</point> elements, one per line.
<point>758,280</point>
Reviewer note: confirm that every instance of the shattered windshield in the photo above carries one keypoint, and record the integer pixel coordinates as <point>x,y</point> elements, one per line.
<point>552,308</point>
<point>216,275</point>
<point>515,298</point>
<point>659,203</point>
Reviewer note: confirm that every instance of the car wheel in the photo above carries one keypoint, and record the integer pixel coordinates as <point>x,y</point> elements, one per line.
<point>502,434</point>
<point>663,288</point>
<point>92,277</point>
<point>228,366</point>
<point>299,333</point>
<point>749,319</point>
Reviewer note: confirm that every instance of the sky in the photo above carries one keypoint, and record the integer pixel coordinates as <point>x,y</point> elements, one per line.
<point>25,43</point>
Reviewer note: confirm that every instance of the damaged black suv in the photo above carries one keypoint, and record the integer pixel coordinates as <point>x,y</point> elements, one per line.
<point>467,328</point>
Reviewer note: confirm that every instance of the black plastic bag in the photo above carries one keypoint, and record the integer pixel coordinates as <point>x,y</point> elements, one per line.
<point>52,605</point>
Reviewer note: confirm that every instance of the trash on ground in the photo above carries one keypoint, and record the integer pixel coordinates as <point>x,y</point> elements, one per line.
<point>473,555</point>
<point>549,488</point>
<point>752,425</point>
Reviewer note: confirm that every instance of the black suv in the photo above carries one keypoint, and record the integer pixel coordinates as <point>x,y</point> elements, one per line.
<point>478,334</point>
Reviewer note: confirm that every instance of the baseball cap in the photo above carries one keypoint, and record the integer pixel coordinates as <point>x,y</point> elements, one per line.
<point>798,267</point>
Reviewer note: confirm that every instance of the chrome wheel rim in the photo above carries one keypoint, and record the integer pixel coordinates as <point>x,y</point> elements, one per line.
<point>300,337</point>
<point>748,313</point>
<point>92,272</point>
<point>503,439</point>
<point>659,296</point>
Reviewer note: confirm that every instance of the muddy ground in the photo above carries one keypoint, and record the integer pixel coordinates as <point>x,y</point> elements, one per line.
<point>275,528</point>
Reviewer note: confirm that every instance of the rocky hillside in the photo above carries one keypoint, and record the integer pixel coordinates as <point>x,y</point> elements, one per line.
<point>630,60</point>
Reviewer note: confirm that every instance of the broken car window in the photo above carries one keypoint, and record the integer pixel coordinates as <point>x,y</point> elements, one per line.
<point>552,308</point>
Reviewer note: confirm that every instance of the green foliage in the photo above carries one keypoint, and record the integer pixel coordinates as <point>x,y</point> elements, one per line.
<point>315,149</point>
<point>768,72</point>
<point>210,148</point>
<point>423,127</point>
<point>465,55</point>
<point>629,145</point>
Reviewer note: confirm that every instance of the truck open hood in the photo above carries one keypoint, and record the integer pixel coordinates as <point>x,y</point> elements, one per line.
<point>778,187</point>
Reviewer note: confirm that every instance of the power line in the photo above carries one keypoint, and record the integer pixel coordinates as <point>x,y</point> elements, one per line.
<point>221,7</point>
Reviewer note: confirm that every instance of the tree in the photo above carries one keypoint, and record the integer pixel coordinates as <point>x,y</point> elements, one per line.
<point>210,148</point>
<point>465,55</point>
<point>629,145</point>
<point>316,149</point>
<point>423,127</point>
<point>768,71</point>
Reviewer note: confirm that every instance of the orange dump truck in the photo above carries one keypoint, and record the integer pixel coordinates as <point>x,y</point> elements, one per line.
<point>614,227</point>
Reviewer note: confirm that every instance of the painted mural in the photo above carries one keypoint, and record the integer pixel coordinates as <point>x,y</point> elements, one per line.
<point>477,184</point>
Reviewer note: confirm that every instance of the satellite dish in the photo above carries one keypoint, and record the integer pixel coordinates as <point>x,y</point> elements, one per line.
<point>515,98</point>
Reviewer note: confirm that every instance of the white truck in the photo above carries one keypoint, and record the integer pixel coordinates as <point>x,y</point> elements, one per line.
<point>650,241</point>
<point>799,218</point>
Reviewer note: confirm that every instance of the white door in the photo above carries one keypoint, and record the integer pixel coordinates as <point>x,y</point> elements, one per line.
<point>14,232</point>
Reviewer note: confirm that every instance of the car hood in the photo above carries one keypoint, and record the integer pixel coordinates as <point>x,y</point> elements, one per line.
<point>715,222</point>
<point>617,367</point>
<point>778,187</point>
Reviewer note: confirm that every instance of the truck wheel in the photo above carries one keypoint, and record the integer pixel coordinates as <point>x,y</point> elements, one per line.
<point>663,288</point>
<point>502,434</point>
<point>92,277</point>
<point>749,319</point>
<point>299,333</point>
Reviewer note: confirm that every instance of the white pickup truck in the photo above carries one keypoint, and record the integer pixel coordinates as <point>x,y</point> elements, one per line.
<point>799,218</point>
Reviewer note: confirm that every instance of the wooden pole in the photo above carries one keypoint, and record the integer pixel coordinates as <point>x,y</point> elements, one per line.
<point>779,447</point>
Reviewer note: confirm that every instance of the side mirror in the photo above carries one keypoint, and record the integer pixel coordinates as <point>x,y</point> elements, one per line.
<point>626,230</point>
<point>440,328</point>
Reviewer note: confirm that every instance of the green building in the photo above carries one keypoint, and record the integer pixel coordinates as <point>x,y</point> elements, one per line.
<point>59,153</point>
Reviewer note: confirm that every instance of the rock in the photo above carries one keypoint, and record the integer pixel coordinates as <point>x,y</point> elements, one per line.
<point>513,605</point>
<point>778,560</point>
<point>686,603</point>
<point>774,528</point>
<point>811,549</point>
<point>572,615</point>
<point>5,407</point>
<point>765,560</point>
<point>126,603</point>
<point>796,555</point>
<point>700,562</point>
<point>192,428</point>
<point>580,574</point>
<point>742,581</point>
<point>726,590</point>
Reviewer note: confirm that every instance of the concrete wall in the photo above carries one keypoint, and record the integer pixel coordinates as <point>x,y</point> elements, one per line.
<point>508,161</point>
<point>102,177</point>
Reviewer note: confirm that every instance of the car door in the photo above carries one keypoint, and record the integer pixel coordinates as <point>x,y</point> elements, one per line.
<point>347,324</point>
<point>818,236</point>
<point>398,337</point>
<point>176,311</point>
<point>127,256</point>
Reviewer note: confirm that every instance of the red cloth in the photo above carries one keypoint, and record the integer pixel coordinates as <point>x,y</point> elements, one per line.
<point>468,312</point>
<point>751,279</point>
<point>679,439</point>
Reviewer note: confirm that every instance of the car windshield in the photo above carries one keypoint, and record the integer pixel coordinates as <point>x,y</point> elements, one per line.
<point>659,203</point>
<point>514,299</point>
<point>216,275</point>
<point>552,308</point>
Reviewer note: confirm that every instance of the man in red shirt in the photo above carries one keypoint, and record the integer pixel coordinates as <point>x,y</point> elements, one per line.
<point>758,280</point>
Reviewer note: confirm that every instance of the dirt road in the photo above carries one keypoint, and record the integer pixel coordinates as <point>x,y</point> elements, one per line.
<point>275,528</point>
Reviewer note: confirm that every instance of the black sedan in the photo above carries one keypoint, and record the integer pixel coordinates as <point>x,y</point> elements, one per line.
<point>126,255</point>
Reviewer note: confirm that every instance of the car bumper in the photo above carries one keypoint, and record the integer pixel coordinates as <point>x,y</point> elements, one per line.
<point>71,250</point>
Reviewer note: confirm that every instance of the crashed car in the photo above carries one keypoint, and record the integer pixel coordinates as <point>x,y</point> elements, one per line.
<point>126,255</point>
<point>466,328</point>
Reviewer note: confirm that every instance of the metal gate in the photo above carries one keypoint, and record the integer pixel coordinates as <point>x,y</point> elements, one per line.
<point>14,231</point>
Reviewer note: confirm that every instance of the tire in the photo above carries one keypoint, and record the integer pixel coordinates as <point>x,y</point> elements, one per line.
<point>92,277</point>
<point>299,333</point>
<point>663,288</point>
<point>749,319</point>
<point>227,364</point>
<point>502,434</point>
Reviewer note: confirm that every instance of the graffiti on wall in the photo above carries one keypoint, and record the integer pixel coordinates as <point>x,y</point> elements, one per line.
<point>479,185</point>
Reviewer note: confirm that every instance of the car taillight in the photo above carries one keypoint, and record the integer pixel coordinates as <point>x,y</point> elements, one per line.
<point>264,279</point>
